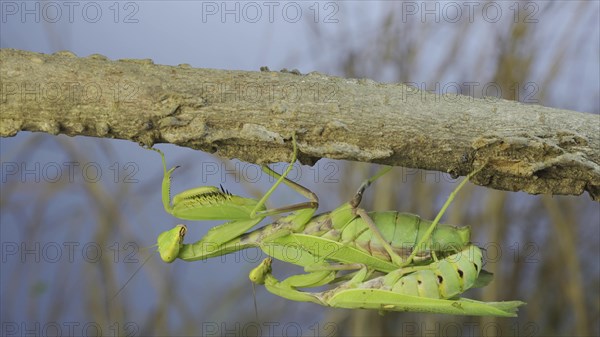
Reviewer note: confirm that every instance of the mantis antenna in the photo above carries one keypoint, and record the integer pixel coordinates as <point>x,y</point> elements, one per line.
<point>131,277</point>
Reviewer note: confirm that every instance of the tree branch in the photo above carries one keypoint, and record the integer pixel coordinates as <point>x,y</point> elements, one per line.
<point>249,115</point>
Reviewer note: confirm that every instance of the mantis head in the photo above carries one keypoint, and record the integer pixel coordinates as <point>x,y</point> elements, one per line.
<point>259,274</point>
<point>170,242</point>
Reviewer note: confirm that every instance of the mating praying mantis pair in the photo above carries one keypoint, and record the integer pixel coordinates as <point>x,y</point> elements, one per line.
<point>393,261</point>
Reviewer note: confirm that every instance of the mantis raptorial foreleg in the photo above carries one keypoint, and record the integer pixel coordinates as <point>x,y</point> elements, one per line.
<point>212,203</point>
<point>316,278</point>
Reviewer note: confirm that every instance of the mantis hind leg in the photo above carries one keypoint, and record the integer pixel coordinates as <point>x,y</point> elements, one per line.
<point>367,219</point>
<point>282,178</point>
<point>394,257</point>
<point>310,195</point>
<point>435,222</point>
<point>365,184</point>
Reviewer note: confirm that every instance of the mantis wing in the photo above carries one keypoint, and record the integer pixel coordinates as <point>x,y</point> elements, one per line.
<point>389,301</point>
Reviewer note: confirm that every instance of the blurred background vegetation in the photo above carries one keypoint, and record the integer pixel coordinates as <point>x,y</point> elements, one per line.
<point>70,243</point>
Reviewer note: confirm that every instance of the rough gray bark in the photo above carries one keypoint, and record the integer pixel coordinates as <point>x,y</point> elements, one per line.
<point>251,116</point>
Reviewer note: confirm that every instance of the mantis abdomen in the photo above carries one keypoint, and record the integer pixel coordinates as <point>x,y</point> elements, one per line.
<point>401,230</point>
<point>443,279</point>
<point>344,237</point>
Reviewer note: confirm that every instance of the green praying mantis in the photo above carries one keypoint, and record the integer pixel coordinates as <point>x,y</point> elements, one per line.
<point>347,238</point>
